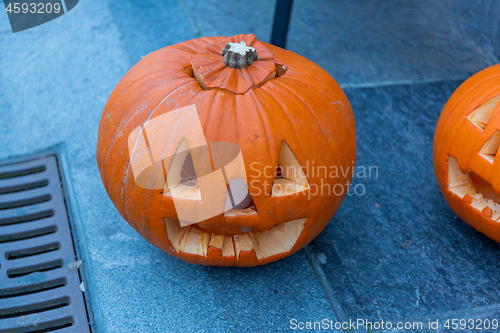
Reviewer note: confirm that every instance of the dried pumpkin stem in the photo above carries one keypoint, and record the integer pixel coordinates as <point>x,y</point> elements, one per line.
<point>238,55</point>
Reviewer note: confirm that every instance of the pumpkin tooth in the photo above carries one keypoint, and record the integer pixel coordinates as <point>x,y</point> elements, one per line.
<point>289,232</point>
<point>228,249</point>
<point>266,244</point>
<point>495,215</point>
<point>184,238</point>
<point>242,243</point>
<point>478,202</point>
<point>217,241</point>
<point>487,212</point>
<point>175,232</point>
<point>196,242</point>
<point>281,238</point>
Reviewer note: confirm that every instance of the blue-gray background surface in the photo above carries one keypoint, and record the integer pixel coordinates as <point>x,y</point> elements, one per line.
<point>396,253</point>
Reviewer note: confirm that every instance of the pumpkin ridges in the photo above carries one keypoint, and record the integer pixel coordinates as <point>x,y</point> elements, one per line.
<point>272,150</point>
<point>157,207</point>
<point>131,123</point>
<point>165,72</point>
<point>254,115</point>
<point>314,157</point>
<point>311,112</point>
<point>303,72</point>
<point>322,115</point>
<point>134,120</point>
<point>263,153</point>
<point>277,119</point>
<point>290,83</point>
<point>155,81</point>
<point>150,65</point>
<point>300,99</point>
<point>287,134</point>
<point>127,97</point>
<point>158,100</point>
<point>341,140</point>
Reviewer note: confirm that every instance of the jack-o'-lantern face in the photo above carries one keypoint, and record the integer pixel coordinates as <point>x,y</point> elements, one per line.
<point>204,148</point>
<point>466,145</point>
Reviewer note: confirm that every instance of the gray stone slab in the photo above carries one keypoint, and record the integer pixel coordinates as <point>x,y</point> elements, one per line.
<point>147,27</point>
<point>398,251</point>
<point>482,24</point>
<point>229,18</point>
<point>371,42</point>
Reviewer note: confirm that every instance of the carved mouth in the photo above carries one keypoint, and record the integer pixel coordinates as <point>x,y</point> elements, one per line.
<point>190,239</point>
<point>473,190</point>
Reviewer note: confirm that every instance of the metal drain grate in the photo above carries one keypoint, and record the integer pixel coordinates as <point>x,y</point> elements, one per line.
<point>39,275</point>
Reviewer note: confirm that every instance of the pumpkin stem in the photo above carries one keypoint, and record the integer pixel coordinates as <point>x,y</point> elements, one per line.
<point>238,55</point>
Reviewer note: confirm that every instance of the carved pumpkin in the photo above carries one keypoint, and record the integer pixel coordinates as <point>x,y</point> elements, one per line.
<point>195,125</point>
<point>466,144</point>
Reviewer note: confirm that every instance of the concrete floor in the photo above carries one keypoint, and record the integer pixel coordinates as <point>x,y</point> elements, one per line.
<point>397,253</point>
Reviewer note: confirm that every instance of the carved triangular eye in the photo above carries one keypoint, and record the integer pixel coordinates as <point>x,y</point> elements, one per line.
<point>490,148</point>
<point>188,173</point>
<point>181,176</point>
<point>481,116</point>
<point>290,177</point>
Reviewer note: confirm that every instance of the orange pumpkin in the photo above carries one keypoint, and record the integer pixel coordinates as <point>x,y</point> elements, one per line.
<point>211,103</point>
<point>466,143</point>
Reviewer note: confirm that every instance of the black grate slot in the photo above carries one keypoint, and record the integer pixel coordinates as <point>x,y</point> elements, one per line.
<point>32,251</point>
<point>28,309</point>
<point>24,187</point>
<point>40,273</point>
<point>23,172</point>
<point>47,326</point>
<point>25,202</point>
<point>27,217</point>
<point>42,267</point>
<point>33,288</point>
<point>28,234</point>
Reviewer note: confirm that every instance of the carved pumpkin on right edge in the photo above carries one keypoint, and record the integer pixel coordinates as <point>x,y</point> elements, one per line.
<point>466,152</point>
